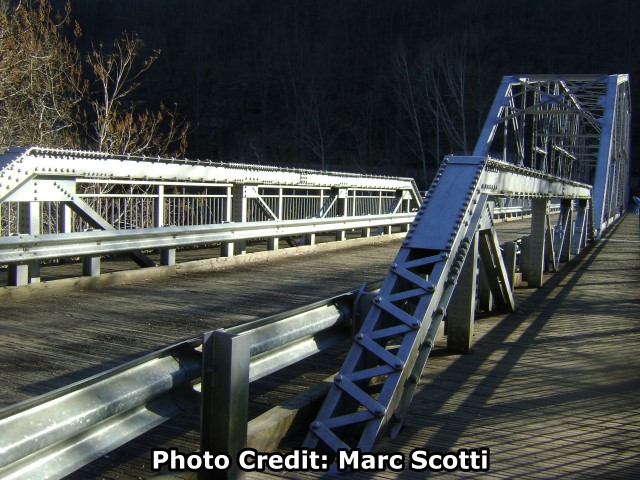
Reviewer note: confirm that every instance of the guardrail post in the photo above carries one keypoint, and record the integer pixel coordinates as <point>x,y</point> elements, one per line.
<point>342,195</point>
<point>91,266</point>
<point>461,312</point>
<point>273,244</point>
<point>167,256</point>
<point>225,399</point>
<point>309,239</point>
<point>539,210</point>
<point>18,275</point>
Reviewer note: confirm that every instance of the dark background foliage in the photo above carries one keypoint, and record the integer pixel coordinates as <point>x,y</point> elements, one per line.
<point>316,83</point>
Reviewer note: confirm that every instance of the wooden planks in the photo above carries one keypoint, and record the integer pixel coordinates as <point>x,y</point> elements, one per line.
<point>554,389</point>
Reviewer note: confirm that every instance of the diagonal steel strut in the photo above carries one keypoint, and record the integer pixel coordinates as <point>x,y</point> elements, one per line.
<point>398,333</point>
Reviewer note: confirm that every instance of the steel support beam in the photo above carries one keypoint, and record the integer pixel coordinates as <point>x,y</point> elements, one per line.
<point>581,227</point>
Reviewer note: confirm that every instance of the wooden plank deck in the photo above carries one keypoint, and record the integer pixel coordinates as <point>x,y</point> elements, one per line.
<point>552,390</point>
<point>570,349</point>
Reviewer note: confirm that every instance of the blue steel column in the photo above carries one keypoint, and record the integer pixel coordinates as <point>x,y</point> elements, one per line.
<point>601,181</point>
<point>539,211</point>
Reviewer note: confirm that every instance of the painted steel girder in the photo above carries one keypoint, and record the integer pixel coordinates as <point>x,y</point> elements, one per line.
<point>18,166</point>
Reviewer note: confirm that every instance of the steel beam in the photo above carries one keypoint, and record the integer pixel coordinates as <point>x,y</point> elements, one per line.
<point>84,210</point>
<point>496,272</point>
<point>24,164</point>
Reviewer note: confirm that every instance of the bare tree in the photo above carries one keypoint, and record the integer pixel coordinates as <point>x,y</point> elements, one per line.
<point>317,128</point>
<point>408,94</point>
<point>41,85</point>
<point>444,71</point>
<point>119,127</point>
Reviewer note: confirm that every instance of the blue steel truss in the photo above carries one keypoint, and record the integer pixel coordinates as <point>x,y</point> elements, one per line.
<point>570,126</point>
<point>551,136</point>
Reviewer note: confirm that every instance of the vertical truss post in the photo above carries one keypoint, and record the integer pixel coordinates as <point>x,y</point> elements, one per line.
<point>603,180</point>
<point>64,219</point>
<point>29,222</point>
<point>496,273</point>
<point>509,254</point>
<point>239,207</point>
<point>342,204</point>
<point>550,240</point>
<point>273,243</point>
<point>525,257</point>
<point>539,211</point>
<point>580,228</point>
<point>485,297</point>
<point>167,255</point>
<point>461,314</point>
<point>225,399</point>
<point>405,208</point>
<point>158,212</point>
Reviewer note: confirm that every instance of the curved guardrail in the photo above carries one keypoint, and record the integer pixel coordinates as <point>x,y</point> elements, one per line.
<point>57,433</point>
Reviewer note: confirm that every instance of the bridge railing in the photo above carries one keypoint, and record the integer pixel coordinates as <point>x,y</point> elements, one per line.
<point>50,192</point>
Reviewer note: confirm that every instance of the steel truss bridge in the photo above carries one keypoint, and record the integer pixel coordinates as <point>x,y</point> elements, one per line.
<point>560,139</point>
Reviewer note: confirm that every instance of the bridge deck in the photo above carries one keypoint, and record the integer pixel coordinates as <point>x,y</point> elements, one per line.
<point>552,389</point>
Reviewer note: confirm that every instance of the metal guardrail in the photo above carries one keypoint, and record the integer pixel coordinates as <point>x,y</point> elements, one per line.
<point>62,196</point>
<point>55,434</point>
<point>26,248</point>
